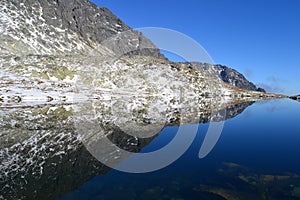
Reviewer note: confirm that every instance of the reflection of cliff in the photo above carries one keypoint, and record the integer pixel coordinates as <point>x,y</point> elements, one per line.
<point>42,154</point>
<point>234,110</point>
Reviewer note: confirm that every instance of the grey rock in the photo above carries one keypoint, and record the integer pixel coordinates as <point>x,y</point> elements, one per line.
<point>96,24</point>
<point>66,26</point>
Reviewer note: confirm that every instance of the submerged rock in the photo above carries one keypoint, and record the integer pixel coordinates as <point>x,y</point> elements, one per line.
<point>247,183</point>
<point>296,192</point>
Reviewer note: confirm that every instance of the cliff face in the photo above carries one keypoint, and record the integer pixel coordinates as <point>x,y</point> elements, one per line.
<point>66,27</point>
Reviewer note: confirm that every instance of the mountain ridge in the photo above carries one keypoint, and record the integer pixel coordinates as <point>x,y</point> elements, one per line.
<point>81,27</point>
<point>55,42</point>
<point>229,75</point>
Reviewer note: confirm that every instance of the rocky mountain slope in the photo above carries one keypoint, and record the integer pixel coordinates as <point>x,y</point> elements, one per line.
<point>66,27</point>
<point>80,27</point>
<point>69,27</point>
<point>229,76</point>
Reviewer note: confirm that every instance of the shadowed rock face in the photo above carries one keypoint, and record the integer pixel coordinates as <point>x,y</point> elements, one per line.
<point>67,27</point>
<point>96,24</point>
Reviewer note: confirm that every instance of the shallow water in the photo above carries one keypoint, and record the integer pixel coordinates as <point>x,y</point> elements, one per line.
<point>256,157</point>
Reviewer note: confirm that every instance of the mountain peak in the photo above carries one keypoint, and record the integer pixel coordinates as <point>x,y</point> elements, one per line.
<point>66,27</point>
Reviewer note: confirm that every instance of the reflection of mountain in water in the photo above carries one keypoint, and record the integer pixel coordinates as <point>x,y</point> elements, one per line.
<point>236,109</point>
<point>296,97</point>
<point>42,154</point>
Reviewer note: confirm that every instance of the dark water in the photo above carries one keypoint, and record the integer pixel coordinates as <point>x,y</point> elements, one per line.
<point>256,157</point>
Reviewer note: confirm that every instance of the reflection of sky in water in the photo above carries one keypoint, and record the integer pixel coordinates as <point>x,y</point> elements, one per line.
<point>268,139</point>
<point>264,138</point>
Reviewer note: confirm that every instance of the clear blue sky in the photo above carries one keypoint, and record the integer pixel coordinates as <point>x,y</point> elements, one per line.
<point>259,38</point>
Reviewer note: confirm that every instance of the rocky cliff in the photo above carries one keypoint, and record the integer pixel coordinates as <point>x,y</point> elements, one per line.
<point>66,27</point>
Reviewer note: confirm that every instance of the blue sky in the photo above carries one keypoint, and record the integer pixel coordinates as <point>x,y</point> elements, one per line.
<point>259,38</point>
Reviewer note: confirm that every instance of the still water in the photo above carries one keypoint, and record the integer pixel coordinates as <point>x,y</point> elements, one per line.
<point>255,157</point>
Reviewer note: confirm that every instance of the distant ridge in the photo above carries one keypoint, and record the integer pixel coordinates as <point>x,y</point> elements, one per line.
<point>229,75</point>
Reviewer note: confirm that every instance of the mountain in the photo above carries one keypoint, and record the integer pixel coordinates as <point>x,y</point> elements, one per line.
<point>80,27</point>
<point>64,50</point>
<point>66,27</point>
<point>69,27</point>
<point>229,76</point>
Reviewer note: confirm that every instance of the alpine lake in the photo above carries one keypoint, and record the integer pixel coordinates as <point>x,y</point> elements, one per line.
<point>255,156</point>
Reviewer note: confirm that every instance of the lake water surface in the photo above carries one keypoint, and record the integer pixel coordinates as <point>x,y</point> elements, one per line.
<point>256,157</point>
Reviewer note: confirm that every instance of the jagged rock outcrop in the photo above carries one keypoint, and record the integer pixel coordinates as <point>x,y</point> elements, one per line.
<point>229,76</point>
